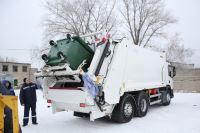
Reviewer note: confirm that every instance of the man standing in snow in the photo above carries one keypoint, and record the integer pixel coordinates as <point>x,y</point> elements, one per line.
<point>28,99</point>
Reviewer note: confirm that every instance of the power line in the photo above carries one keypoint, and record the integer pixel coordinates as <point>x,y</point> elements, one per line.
<point>17,49</point>
<point>27,50</point>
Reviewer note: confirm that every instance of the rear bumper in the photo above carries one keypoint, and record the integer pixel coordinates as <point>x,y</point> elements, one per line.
<point>70,99</point>
<point>57,107</point>
<point>74,99</point>
<point>92,110</point>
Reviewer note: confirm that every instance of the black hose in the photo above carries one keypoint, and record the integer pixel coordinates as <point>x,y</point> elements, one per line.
<point>105,51</point>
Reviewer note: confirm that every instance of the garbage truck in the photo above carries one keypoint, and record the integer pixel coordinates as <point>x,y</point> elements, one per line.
<point>126,79</point>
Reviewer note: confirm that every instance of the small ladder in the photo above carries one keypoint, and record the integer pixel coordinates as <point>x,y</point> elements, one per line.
<point>158,100</point>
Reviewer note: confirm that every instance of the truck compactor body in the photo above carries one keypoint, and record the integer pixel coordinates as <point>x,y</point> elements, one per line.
<point>129,78</point>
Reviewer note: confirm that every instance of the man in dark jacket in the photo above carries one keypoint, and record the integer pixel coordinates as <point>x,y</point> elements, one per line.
<point>28,99</point>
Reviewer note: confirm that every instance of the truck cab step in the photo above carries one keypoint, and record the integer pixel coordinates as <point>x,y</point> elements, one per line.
<point>155,102</point>
<point>156,95</point>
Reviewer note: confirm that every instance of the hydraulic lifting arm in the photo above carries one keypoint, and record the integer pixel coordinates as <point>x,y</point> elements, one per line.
<point>11,102</point>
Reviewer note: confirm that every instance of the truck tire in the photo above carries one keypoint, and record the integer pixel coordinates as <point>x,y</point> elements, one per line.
<point>168,98</point>
<point>142,104</point>
<point>125,110</point>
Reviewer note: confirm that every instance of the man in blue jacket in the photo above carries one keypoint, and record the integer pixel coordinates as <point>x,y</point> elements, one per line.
<point>28,99</point>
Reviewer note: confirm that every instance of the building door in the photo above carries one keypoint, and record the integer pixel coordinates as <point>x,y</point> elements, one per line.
<point>15,82</point>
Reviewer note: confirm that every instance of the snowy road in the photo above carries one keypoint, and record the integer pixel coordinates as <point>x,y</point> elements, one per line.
<point>181,116</point>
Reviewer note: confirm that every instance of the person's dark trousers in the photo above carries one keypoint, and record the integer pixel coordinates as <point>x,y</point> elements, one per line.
<point>33,113</point>
<point>27,108</point>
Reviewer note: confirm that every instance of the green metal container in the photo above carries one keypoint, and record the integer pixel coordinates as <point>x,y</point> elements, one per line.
<point>74,51</point>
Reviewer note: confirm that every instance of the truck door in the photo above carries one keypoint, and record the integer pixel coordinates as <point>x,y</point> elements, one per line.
<point>171,74</point>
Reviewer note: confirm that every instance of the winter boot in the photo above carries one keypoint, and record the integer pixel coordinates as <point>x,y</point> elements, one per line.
<point>34,120</point>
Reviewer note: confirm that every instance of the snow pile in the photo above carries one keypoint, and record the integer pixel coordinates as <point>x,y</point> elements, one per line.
<point>181,116</point>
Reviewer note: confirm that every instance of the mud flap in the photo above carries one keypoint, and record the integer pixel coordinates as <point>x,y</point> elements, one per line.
<point>164,96</point>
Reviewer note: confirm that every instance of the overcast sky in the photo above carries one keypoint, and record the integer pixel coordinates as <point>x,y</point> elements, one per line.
<point>20,26</point>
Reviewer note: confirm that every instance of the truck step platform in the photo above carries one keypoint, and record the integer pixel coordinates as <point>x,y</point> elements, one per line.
<point>156,95</point>
<point>155,102</point>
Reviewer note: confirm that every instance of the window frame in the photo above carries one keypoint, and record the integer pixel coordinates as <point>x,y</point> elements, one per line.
<point>23,68</point>
<point>15,66</point>
<point>3,70</point>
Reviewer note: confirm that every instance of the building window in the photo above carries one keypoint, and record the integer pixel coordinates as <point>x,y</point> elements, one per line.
<point>15,68</point>
<point>5,68</point>
<point>24,68</point>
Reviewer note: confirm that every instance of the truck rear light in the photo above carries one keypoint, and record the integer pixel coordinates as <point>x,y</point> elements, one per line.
<point>82,105</point>
<point>108,36</point>
<point>97,39</point>
<point>49,101</point>
<point>103,40</point>
<point>153,91</point>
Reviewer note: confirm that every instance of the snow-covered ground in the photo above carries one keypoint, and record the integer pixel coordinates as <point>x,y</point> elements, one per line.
<point>181,116</point>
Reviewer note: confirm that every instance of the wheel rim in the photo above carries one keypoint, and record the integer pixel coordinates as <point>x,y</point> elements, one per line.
<point>128,109</point>
<point>143,105</point>
<point>168,97</point>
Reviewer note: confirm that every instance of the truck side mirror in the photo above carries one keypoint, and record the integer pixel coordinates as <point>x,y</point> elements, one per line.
<point>170,74</point>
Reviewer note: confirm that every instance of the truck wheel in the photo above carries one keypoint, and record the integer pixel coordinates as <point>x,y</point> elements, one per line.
<point>125,110</point>
<point>142,104</point>
<point>168,98</point>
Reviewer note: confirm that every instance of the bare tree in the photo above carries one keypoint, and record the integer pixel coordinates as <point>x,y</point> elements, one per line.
<point>78,17</point>
<point>176,52</point>
<point>1,58</point>
<point>35,54</point>
<point>145,19</point>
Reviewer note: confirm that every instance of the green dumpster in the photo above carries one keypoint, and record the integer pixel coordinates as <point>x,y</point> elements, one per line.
<point>72,51</point>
